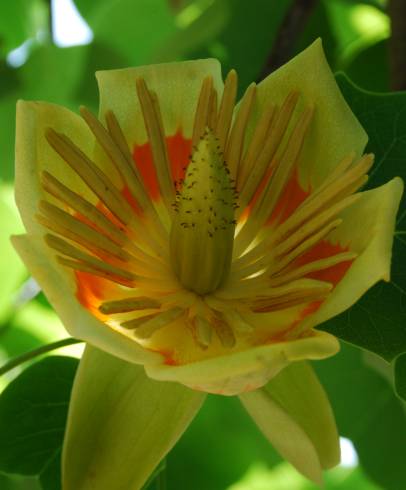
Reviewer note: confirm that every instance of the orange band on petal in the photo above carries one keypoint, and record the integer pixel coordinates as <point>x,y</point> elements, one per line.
<point>179,149</point>
<point>91,291</point>
<point>323,250</point>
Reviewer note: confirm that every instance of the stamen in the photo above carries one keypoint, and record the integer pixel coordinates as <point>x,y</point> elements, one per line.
<point>301,288</point>
<point>315,266</point>
<point>237,321</point>
<point>224,332</point>
<point>137,322</point>
<point>236,140</point>
<point>256,145</point>
<point>94,178</point>
<point>302,222</point>
<point>226,108</point>
<point>212,119</point>
<point>126,171</point>
<point>266,202</point>
<point>85,260</point>
<point>281,261</point>
<point>153,126</point>
<point>128,304</point>
<point>311,227</point>
<point>202,110</point>
<point>306,297</point>
<point>203,332</point>
<point>342,186</point>
<point>154,224</point>
<point>274,139</point>
<point>54,187</point>
<point>103,271</point>
<point>66,225</point>
<point>250,262</point>
<point>145,329</point>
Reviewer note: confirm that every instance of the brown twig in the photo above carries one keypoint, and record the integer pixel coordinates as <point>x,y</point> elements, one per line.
<point>397,44</point>
<point>291,27</point>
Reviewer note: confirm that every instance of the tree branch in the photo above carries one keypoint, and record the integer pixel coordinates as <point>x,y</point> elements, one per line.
<point>397,44</point>
<point>290,29</point>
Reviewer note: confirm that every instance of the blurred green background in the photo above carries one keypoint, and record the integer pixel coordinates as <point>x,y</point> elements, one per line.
<point>50,51</point>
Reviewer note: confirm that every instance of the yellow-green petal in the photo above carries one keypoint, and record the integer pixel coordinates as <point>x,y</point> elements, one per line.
<point>58,286</point>
<point>373,217</point>
<point>177,86</point>
<point>120,424</point>
<point>238,372</point>
<point>294,413</point>
<point>34,154</point>
<point>335,132</point>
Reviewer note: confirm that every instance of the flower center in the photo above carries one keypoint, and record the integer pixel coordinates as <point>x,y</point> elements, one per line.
<point>202,234</point>
<point>187,266</point>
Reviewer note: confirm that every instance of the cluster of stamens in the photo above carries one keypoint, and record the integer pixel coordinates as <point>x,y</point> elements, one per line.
<point>215,216</point>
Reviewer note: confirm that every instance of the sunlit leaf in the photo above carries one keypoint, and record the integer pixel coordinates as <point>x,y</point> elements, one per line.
<point>378,321</point>
<point>11,267</point>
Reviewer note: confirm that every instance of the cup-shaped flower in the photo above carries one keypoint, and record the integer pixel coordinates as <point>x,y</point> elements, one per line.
<point>204,240</point>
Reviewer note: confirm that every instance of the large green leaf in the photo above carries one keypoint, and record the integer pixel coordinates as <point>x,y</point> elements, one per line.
<point>33,411</point>
<point>378,321</point>
<point>368,413</point>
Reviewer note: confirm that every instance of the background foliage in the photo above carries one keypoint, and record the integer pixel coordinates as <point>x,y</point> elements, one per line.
<point>222,449</point>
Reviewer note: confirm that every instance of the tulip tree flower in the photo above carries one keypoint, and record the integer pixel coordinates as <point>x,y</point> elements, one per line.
<point>194,243</point>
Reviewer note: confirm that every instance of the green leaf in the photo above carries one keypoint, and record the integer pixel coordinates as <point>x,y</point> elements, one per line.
<point>378,321</point>
<point>400,375</point>
<point>33,411</point>
<point>19,21</point>
<point>368,413</point>
<point>363,68</point>
<point>152,480</point>
<point>234,442</point>
<point>132,29</point>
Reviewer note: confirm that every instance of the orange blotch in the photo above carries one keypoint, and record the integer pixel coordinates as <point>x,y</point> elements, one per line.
<point>292,196</point>
<point>179,149</point>
<point>323,250</point>
<point>131,200</point>
<point>91,292</point>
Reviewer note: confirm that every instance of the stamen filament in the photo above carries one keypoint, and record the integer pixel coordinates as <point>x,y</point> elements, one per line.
<point>202,110</point>
<point>157,142</point>
<point>226,108</point>
<point>152,323</point>
<point>93,177</point>
<point>315,266</point>
<point>66,225</point>
<point>127,173</point>
<point>274,139</point>
<point>256,145</point>
<point>128,304</point>
<point>236,140</point>
<point>76,202</point>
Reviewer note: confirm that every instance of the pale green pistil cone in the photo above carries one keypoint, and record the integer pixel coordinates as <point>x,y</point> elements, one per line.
<point>202,233</point>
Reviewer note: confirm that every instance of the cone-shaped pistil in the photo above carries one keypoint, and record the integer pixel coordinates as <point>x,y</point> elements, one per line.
<point>202,232</point>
